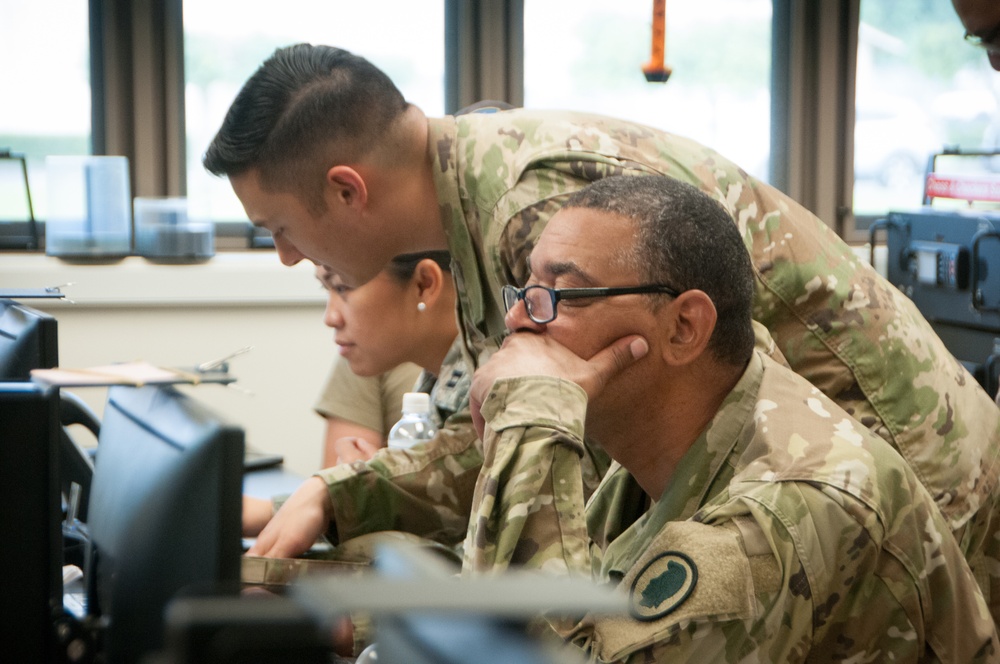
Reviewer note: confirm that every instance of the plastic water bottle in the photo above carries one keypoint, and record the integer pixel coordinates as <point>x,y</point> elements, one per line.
<point>416,425</point>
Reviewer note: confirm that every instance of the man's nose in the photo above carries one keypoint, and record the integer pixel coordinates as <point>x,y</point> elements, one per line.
<point>517,318</point>
<point>287,253</point>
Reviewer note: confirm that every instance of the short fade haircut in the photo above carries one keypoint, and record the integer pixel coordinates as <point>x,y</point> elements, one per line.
<point>686,240</point>
<point>304,106</point>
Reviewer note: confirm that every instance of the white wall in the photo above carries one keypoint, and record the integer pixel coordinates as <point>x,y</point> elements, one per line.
<point>184,315</point>
<point>180,316</point>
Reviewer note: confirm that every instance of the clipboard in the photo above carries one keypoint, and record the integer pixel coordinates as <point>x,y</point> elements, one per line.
<point>135,374</point>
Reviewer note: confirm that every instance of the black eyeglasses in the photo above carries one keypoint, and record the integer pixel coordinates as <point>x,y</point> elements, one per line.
<point>540,301</point>
<point>988,41</point>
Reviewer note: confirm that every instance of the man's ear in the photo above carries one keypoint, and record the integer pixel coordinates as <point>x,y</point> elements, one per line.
<point>429,279</point>
<point>693,316</point>
<point>348,187</point>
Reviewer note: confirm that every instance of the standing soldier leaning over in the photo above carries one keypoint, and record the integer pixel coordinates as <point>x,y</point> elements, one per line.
<point>750,518</point>
<point>323,151</point>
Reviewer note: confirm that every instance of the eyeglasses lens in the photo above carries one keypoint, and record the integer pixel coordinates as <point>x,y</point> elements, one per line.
<point>539,303</point>
<point>509,297</point>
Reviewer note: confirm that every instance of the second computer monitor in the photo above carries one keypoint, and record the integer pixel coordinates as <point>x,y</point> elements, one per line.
<point>28,340</point>
<point>165,511</point>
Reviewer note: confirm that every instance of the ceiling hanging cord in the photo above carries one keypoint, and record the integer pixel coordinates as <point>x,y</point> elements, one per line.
<point>655,70</point>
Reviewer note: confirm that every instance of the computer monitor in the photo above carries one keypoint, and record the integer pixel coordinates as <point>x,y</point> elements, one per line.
<point>165,511</point>
<point>28,340</point>
<point>31,596</point>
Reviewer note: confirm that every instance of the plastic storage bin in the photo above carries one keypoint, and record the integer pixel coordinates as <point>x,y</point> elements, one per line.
<point>164,234</point>
<point>89,208</point>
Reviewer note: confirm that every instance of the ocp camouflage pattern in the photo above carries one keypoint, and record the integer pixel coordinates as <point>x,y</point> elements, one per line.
<point>800,535</point>
<point>837,322</point>
<point>426,489</point>
<point>840,325</point>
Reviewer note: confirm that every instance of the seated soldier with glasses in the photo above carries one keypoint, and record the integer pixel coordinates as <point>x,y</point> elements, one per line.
<point>747,516</point>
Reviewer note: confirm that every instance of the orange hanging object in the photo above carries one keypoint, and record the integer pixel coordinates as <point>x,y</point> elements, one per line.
<point>655,70</point>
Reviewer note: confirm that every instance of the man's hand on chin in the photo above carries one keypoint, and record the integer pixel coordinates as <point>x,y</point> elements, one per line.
<point>528,353</point>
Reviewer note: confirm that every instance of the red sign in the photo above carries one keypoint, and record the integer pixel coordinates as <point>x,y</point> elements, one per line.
<point>964,187</point>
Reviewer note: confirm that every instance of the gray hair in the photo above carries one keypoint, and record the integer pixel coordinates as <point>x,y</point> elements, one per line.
<point>686,240</point>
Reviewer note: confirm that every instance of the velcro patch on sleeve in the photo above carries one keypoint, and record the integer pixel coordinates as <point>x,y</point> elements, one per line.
<point>662,585</point>
<point>692,571</point>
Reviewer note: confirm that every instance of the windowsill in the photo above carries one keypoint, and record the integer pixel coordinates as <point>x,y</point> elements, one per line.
<point>230,278</point>
<point>245,278</point>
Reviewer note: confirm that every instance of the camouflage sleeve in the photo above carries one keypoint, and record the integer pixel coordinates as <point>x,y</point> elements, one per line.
<point>425,490</point>
<point>756,583</point>
<point>528,508</point>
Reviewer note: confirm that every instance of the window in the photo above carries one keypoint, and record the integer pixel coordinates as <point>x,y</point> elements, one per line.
<point>719,51</point>
<point>47,104</point>
<point>226,40</point>
<point>918,86</point>
<point>919,89</point>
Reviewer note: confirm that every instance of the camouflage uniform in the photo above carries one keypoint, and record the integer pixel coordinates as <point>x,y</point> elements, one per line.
<point>426,489</point>
<point>499,178</point>
<point>788,532</point>
<point>449,392</point>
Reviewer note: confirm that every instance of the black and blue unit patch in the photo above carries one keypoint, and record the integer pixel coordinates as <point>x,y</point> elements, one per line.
<point>662,585</point>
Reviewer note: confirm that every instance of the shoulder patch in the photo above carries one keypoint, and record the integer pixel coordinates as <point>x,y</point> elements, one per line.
<point>690,572</point>
<point>662,585</point>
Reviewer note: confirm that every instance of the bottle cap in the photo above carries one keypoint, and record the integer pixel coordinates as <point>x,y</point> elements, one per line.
<point>416,402</point>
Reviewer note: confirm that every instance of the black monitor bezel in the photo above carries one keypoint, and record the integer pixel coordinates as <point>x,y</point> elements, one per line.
<point>31,601</point>
<point>23,327</point>
<point>148,547</point>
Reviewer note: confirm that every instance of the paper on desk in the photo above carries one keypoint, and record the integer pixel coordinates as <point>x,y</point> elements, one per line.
<point>259,571</point>
<point>136,373</point>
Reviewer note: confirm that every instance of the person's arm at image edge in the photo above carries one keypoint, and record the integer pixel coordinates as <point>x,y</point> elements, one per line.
<point>426,490</point>
<point>344,442</point>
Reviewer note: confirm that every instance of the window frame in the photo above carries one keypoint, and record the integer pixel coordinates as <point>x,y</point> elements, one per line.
<point>137,83</point>
<point>814,56</point>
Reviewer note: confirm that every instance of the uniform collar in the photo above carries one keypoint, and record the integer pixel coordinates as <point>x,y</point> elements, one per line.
<point>702,472</point>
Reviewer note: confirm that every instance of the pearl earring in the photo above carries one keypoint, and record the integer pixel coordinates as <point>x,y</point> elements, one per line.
<point>421,306</point>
